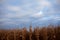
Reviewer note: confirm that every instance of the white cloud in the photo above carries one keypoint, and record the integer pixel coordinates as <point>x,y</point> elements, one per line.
<point>37,15</point>
<point>57,1</point>
<point>27,10</point>
<point>15,15</point>
<point>47,18</point>
<point>57,18</point>
<point>40,19</point>
<point>44,3</point>
<point>13,8</point>
<point>4,19</point>
<point>25,20</point>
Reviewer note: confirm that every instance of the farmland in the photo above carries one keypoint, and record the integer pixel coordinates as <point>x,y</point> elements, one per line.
<point>44,33</point>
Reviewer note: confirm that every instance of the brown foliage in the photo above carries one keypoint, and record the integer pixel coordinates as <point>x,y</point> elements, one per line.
<point>45,33</point>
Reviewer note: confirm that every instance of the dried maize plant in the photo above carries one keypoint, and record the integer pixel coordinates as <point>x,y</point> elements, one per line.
<point>54,34</point>
<point>57,31</point>
<point>24,34</point>
<point>18,33</point>
<point>30,33</point>
<point>21,34</point>
<point>36,32</point>
<point>0,34</point>
<point>43,33</point>
<point>10,35</point>
<point>51,33</point>
<point>14,31</point>
<point>7,34</point>
<point>3,35</point>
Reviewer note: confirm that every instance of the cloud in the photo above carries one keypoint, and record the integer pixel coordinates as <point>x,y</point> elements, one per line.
<point>44,3</point>
<point>57,1</point>
<point>52,9</point>
<point>44,19</point>
<point>13,8</point>
<point>30,11</point>
<point>37,15</point>
<point>2,1</point>
<point>13,21</point>
<point>57,18</point>
<point>4,19</point>
<point>15,15</point>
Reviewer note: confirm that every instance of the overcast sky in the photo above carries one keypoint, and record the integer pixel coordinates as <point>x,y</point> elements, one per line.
<point>19,13</point>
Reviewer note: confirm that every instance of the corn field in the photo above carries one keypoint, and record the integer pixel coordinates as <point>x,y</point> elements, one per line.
<point>44,33</point>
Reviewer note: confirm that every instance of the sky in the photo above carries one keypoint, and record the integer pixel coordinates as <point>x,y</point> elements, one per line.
<point>20,13</point>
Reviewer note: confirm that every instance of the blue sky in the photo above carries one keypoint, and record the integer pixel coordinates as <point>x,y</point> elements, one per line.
<point>19,13</point>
